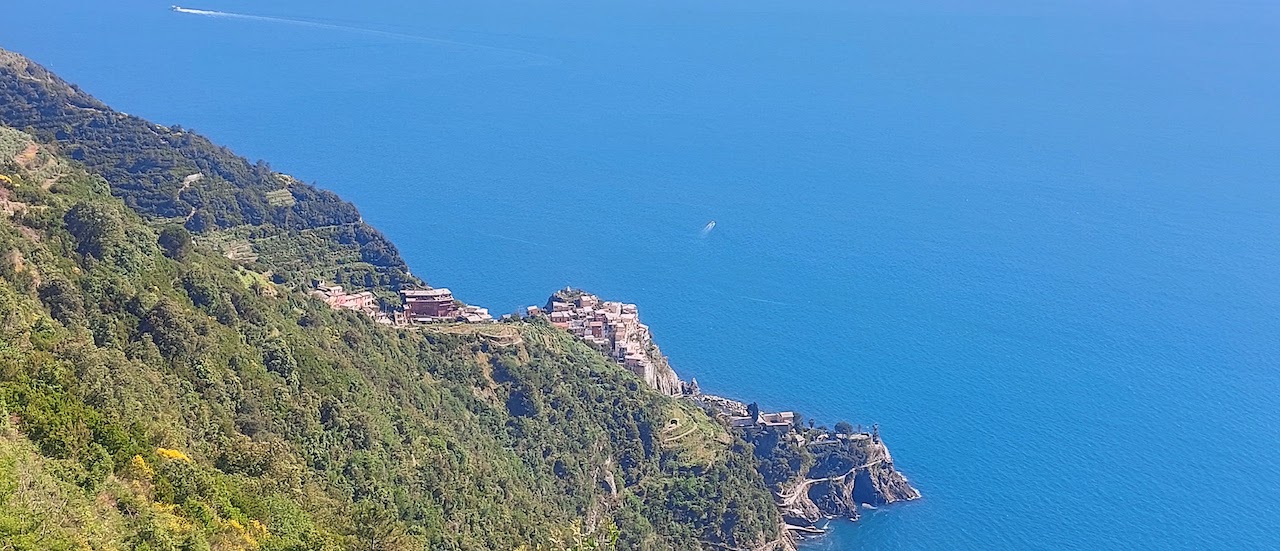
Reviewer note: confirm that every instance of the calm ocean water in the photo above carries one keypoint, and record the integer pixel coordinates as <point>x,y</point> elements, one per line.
<point>1036,241</point>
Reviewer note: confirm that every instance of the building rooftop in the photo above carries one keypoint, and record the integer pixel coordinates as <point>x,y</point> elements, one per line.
<point>431,293</point>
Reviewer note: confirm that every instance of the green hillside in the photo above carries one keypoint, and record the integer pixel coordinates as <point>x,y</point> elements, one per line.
<point>173,175</point>
<point>155,394</point>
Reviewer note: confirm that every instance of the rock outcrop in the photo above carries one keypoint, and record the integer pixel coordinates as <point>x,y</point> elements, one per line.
<point>846,470</point>
<point>814,473</point>
<point>881,484</point>
<point>875,483</point>
<point>614,328</point>
<point>833,498</point>
<point>653,367</point>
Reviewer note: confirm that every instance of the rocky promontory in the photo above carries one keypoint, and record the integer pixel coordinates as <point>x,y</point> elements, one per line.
<point>815,472</point>
<point>614,328</point>
<point>873,483</point>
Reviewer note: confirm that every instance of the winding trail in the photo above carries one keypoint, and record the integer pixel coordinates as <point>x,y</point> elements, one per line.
<point>186,183</point>
<point>671,439</point>
<point>790,498</point>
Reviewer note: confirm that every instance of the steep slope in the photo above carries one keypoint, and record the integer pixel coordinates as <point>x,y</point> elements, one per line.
<point>165,383</point>
<point>165,173</point>
<point>157,395</point>
<point>615,329</point>
<point>816,472</point>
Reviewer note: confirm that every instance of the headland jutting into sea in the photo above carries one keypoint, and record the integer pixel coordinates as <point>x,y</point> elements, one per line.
<point>852,468</point>
<point>283,236</point>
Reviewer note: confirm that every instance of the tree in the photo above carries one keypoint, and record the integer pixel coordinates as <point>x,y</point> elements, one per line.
<point>844,427</point>
<point>277,358</point>
<point>63,299</point>
<point>171,330</point>
<point>176,241</point>
<point>376,529</point>
<point>96,227</point>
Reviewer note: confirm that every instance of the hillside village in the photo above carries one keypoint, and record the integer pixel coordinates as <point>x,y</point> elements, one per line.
<point>612,327</point>
<point>851,466</point>
<point>615,329</point>
<point>418,306</point>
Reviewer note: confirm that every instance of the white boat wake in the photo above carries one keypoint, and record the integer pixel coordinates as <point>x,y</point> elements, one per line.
<point>706,230</point>
<point>181,9</point>
<point>534,58</point>
<point>766,301</point>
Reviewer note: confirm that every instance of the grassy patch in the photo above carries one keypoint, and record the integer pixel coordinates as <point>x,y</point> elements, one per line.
<point>697,438</point>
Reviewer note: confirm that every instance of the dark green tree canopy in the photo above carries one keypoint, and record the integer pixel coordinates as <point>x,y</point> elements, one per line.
<point>176,241</point>
<point>96,227</point>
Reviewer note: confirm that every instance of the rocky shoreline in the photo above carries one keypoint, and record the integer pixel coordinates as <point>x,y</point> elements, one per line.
<point>852,468</point>
<point>847,468</point>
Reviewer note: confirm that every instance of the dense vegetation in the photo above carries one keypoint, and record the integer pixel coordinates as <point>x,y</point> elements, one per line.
<point>782,460</point>
<point>169,173</point>
<point>155,394</point>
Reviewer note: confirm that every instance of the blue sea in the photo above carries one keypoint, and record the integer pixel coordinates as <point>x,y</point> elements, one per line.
<point>1037,241</point>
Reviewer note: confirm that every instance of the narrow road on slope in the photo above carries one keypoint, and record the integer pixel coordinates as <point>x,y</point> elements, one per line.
<point>186,183</point>
<point>790,498</point>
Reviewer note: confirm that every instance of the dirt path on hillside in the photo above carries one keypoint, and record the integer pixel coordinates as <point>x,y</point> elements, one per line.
<point>186,184</point>
<point>790,498</point>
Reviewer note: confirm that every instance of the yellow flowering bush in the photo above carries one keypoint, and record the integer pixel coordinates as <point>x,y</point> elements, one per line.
<point>246,537</point>
<point>139,469</point>
<point>172,454</point>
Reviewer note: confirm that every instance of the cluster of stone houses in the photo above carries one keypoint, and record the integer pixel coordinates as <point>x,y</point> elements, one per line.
<point>761,419</point>
<point>613,326</point>
<point>419,305</point>
<point>339,299</point>
<point>615,329</point>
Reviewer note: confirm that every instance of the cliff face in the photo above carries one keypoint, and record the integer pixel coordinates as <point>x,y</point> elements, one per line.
<point>880,483</point>
<point>656,371</point>
<point>833,498</point>
<point>874,483</point>
<point>614,328</point>
<point>815,473</point>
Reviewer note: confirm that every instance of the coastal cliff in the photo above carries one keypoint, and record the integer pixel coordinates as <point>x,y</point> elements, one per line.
<point>175,377</point>
<point>873,483</point>
<point>615,329</point>
<point>814,472</point>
